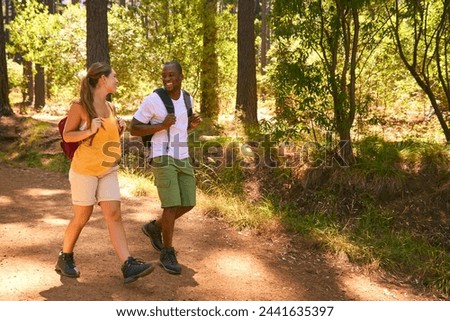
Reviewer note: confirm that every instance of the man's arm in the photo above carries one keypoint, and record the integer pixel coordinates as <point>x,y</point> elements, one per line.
<point>140,129</point>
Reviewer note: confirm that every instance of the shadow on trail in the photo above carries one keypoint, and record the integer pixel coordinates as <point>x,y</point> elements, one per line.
<point>111,288</point>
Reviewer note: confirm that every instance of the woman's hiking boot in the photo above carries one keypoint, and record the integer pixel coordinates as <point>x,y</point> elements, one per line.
<point>66,265</point>
<point>133,269</point>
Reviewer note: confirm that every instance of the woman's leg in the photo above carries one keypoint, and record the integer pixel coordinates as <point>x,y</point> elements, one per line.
<point>73,230</point>
<point>111,212</point>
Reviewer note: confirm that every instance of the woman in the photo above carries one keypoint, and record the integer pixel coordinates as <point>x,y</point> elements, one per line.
<point>93,171</point>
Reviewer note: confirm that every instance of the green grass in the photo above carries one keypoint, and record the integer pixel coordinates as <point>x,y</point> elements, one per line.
<point>27,151</point>
<point>136,182</point>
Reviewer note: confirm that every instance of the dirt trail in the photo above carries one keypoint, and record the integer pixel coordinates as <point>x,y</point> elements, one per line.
<point>219,263</point>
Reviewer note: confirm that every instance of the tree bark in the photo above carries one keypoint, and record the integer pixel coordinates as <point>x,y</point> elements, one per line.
<point>39,87</point>
<point>246,99</point>
<point>210,67</point>
<point>265,34</point>
<point>97,31</point>
<point>5,108</point>
<point>28,94</point>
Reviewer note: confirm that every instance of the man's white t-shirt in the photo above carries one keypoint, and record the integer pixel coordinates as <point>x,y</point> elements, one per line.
<point>152,110</point>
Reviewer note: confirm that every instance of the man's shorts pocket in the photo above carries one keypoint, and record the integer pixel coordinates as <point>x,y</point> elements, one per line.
<point>162,183</point>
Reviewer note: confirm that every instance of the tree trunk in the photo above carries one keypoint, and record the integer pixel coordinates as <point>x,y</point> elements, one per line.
<point>7,18</point>
<point>265,34</point>
<point>28,93</point>
<point>246,99</point>
<point>51,6</point>
<point>39,87</point>
<point>5,108</point>
<point>210,67</point>
<point>97,31</point>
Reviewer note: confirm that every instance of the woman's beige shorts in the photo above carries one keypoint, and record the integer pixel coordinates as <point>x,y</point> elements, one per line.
<point>89,190</point>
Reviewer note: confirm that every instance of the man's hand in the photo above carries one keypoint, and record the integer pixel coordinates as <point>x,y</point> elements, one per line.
<point>169,120</point>
<point>194,121</point>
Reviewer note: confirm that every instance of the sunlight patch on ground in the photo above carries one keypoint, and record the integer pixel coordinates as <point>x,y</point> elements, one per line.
<point>11,233</point>
<point>43,192</point>
<point>362,289</point>
<point>56,221</point>
<point>5,200</point>
<point>232,265</point>
<point>25,275</point>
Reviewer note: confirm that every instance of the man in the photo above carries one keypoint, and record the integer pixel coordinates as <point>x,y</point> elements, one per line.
<point>169,157</point>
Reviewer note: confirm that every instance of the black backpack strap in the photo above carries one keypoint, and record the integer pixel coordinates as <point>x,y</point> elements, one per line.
<point>187,102</point>
<point>167,101</point>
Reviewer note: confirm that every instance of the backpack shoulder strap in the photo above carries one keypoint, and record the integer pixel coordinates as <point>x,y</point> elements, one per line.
<point>113,110</point>
<point>187,102</point>
<point>166,99</point>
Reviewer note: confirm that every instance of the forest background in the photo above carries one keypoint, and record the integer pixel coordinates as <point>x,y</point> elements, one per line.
<point>326,118</point>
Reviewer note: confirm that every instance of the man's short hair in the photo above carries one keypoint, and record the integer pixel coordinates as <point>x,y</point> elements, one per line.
<point>176,64</point>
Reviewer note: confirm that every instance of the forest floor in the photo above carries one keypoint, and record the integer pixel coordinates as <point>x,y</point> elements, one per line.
<point>219,262</point>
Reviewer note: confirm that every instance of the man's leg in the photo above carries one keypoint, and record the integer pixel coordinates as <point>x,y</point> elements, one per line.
<point>167,257</point>
<point>167,223</point>
<point>180,211</point>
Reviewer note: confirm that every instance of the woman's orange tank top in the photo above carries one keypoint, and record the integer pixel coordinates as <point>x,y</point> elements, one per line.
<point>103,154</point>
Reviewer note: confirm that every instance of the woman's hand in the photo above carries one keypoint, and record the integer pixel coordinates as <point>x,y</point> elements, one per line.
<point>96,123</point>
<point>122,125</point>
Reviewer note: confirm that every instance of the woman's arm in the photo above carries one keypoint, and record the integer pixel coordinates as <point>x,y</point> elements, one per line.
<point>72,133</point>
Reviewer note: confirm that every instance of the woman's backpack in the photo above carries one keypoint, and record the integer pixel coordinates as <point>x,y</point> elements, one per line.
<point>68,148</point>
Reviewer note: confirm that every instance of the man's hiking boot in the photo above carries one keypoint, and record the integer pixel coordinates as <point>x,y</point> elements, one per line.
<point>66,265</point>
<point>169,261</point>
<point>133,269</point>
<point>154,233</point>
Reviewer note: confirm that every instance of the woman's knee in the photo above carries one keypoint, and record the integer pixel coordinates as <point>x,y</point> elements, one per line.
<point>111,211</point>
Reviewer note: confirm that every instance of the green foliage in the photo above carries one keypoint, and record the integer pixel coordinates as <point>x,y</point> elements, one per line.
<point>27,33</point>
<point>172,30</point>
<point>226,180</point>
<point>227,56</point>
<point>35,34</point>
<point>14,74</point>
<point>141,38</point>
<point>132,58</point>
<point>390,159</point>
<point>378,156</point>
<point>420,32</point>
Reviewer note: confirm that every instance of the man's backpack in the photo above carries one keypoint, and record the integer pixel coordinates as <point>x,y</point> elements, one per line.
<point>68,148</point>
<point>162,93</point>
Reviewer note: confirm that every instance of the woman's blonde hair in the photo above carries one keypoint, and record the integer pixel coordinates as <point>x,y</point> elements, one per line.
<point>88,84</point>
